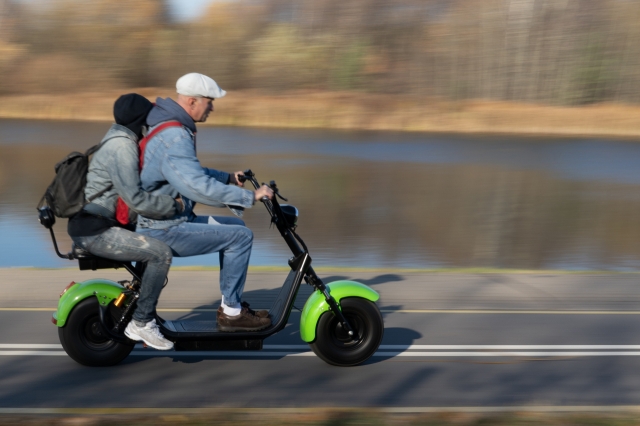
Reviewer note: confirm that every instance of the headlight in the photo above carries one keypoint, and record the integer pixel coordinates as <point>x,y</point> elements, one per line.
<point>290,214</point>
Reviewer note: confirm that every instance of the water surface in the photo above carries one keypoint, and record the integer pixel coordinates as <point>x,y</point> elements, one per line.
<point>380,199</point>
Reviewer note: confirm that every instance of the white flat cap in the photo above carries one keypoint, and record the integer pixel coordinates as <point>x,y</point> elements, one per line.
<point>195,84</point>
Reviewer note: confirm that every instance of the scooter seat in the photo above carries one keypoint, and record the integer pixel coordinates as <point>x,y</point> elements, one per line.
<point>88,261</point>
<point>79,252</point>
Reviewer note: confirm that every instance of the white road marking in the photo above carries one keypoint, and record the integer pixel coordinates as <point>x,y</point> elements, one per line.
<point>503,354</point>
<point>385,351</point>
<point>391,347</point>
<point>32,353</point>
<point>388,347</point>
<point>29,346</point>
<point>482,347</point>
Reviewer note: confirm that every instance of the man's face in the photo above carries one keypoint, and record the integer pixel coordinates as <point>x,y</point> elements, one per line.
<point>200,109</point>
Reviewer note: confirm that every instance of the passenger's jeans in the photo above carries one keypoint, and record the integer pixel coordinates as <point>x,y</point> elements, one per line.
<point>209,234</point>
<point>120,244</point>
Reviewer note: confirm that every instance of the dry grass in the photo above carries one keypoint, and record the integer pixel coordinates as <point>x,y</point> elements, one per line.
<point>337,110</point>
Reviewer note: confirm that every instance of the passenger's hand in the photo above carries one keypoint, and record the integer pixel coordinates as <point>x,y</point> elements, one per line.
<point>263,191</point>
<point>180,204</point>
<point>235,179</point>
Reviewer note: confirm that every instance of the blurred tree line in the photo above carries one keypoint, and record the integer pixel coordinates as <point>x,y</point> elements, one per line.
<point>564,52</point>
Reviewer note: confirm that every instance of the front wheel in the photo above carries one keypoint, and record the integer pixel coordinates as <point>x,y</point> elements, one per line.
<point>334,345</point>
<point>84,340</point>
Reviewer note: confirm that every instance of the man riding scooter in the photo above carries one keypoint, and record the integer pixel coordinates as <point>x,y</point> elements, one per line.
<point>171,167</point>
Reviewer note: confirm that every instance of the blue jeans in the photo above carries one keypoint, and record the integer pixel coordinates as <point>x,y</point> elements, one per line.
<point>209,234</point>
<point>120,244</point>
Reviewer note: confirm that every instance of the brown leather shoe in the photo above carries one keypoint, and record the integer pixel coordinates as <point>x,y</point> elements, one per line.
<point>262,313</point>
<point>246,321</point>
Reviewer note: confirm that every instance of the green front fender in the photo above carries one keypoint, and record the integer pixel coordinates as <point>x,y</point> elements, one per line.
<point>317,305</point>
<point>104,290</point>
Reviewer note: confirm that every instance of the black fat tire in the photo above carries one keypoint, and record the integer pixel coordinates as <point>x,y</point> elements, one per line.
<point>332,343</point>
<point>83,338</point>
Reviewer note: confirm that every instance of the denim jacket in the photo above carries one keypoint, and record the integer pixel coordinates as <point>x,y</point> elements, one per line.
<point>172,168</point>
<point>115,166</point>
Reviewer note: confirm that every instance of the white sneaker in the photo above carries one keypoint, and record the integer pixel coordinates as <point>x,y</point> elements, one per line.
<point>149,334</point>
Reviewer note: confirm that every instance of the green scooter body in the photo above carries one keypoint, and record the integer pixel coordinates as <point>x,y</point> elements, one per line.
<point>104,290</point>
<point>317,305</point>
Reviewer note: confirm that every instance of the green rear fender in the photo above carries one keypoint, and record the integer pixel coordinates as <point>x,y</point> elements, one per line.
<point>104,290</point>
<point>317,305</point>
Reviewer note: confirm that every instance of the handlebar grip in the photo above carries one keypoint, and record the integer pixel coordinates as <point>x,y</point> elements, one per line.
<point>242,179</point>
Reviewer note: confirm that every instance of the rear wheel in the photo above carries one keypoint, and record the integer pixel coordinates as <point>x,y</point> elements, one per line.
<point>334,345</point>
<point>85,341</point>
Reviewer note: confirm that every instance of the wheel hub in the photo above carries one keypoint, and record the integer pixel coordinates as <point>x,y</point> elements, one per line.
<point>93,335</point>
<point>342,337</point>
<point>96,330</point>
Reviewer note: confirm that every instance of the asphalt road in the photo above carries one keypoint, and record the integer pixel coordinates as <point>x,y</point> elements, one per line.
<point>451,341</point>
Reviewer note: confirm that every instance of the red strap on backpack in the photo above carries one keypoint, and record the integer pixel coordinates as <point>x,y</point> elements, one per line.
<point>122,210</point>
<point>146,139</point>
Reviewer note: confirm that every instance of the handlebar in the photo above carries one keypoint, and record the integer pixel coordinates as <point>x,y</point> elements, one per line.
<point>273,207</point>
<point>251,177</point>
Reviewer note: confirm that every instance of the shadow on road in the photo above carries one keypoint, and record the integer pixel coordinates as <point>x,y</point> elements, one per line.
<point>264,298</point>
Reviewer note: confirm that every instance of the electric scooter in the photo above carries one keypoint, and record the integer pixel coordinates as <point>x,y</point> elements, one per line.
<point>340,321</point>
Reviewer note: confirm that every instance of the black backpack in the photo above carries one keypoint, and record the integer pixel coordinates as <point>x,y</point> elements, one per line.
<point>65,194</point>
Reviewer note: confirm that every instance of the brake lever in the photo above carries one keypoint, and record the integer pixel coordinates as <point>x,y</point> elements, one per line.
<point>275,189</point>
<point>248,176</point>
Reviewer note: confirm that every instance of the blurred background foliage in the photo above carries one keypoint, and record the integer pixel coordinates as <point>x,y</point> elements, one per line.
<point>560,52</point>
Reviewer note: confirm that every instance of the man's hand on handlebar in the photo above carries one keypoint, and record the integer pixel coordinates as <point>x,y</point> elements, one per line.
<point>237,178</point>
<point>262,192</point>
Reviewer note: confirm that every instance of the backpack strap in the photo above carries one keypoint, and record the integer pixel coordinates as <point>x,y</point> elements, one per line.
<point>99,193</point>
<point>92,151</point>
<point>94,148</point>
<point>147,138</point>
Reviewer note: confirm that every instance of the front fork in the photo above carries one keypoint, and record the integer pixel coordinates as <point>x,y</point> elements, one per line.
<point>335,309</point>
<point>302,264</point>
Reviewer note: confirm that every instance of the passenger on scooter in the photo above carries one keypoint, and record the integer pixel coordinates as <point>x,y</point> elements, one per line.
<point>171,167</point>
<point>114,171</point>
